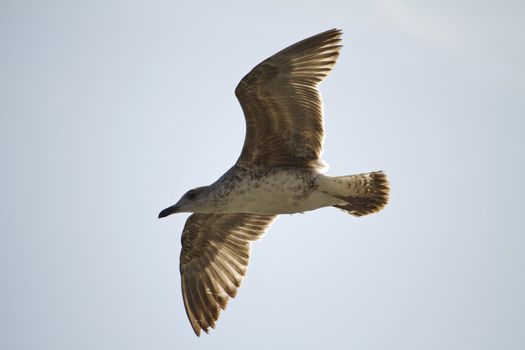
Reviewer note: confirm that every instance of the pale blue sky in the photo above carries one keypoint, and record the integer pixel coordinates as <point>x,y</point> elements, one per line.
<point>110,110</point>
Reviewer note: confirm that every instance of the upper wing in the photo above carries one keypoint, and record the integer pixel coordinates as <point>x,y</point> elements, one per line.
<point>213,260</point>
<point>283,107</point>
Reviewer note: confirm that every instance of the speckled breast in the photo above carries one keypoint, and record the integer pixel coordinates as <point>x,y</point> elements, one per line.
<point>266,191</point>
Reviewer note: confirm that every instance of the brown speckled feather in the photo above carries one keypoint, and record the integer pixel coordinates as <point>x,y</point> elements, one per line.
<point>283,107</point>
<point>213,261</point>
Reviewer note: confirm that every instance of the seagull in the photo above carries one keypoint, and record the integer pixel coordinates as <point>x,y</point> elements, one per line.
<point>279,171</point>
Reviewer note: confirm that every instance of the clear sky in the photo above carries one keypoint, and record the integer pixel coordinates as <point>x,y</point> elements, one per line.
<point>111,110</point>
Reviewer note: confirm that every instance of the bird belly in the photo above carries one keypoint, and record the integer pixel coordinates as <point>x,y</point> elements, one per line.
<point>284,192</point>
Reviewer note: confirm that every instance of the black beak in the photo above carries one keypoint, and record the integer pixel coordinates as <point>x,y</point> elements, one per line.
<point>168,211</point>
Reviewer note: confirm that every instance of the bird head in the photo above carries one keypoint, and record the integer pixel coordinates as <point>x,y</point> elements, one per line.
<point>192,201</point>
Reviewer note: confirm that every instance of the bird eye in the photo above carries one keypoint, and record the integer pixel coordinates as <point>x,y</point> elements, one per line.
<point>190,195</point>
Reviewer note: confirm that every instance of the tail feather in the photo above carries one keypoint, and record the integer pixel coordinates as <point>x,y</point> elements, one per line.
<point>364,193</point>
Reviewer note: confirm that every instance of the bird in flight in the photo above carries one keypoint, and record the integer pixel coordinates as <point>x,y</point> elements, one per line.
<point>279,171</point>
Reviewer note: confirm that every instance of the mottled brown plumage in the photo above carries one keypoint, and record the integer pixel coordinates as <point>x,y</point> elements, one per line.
<point>279,171</point>
<point>371,191</point>
<point>213,260</point>
<point>282,104</point>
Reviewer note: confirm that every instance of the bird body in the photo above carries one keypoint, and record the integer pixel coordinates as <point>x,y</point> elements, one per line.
<point>279,171</point>
<point>274,191</point>
<point>267,191</point>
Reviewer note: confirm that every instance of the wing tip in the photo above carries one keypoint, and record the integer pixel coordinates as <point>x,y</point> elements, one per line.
<point>335,33</point>
<point>303,52</point>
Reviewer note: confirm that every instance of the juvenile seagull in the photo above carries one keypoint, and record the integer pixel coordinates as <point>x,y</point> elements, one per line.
<point>279,171</point>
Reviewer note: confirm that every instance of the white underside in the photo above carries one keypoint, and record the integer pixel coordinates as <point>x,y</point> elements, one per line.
<point>278,194</point>
<point>282,203</point>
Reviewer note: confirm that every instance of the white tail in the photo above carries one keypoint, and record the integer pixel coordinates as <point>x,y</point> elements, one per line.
<point>360,194</point>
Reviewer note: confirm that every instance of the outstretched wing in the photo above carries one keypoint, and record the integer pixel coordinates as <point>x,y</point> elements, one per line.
<point>282,104</point>
<point>213,260</point>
